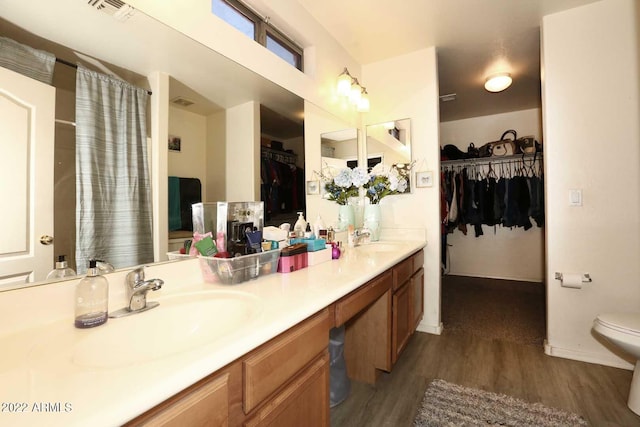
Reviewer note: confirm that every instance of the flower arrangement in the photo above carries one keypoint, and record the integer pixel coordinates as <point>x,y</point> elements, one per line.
<point>345,184</point>
<point>381,184</point>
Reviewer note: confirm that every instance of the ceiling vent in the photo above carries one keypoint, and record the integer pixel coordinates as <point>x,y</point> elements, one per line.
<point>116,8</point>
<point>448,97</point>
<point>181,101</point>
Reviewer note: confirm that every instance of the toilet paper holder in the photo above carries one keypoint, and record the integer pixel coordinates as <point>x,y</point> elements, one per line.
<point>586,277</point>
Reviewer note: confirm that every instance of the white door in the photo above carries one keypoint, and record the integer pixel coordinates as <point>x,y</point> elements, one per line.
<point>27,109</point>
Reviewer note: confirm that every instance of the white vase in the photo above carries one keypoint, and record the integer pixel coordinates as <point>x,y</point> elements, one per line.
<point>346,217</point>
<point>372,221</point>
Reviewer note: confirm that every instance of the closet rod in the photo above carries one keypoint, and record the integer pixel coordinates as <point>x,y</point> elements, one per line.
<point>72,65</point>
<point>65,122</point>
<point>487,160</point>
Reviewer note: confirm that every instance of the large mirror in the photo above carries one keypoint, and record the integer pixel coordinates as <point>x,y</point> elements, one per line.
<point>389,144</point>
<point>203,86</point>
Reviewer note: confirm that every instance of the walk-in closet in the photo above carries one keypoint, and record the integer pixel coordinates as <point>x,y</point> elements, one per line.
<point>492,232</point>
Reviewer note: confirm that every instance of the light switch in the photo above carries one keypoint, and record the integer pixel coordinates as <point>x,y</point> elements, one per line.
<point>575,197</point>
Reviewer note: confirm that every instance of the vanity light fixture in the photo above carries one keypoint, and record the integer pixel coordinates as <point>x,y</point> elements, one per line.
<point>349,87</point>
<point>498,82</point>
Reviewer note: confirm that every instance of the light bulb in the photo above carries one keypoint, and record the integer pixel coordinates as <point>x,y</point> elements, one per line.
<point>363,104</point>
<point>356,92</point>
<point>344,83</point>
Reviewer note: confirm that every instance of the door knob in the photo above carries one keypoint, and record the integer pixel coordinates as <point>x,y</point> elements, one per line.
<point>46,240</point>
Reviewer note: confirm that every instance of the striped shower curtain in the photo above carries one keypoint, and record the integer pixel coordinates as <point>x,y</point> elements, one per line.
<point>113,191</point>
<point>26,60</point>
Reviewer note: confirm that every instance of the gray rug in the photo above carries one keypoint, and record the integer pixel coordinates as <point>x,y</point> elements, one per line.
<point>446,404</point>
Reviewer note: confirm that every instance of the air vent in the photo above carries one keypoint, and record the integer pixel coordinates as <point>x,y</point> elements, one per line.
<point>181,101</point>
<point>448,97</point>
<point>116,8</point>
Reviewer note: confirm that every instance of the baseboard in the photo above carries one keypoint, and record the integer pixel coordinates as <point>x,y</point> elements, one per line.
<point>514,279</point>
<point>583,356</point>
<point>430,329</point>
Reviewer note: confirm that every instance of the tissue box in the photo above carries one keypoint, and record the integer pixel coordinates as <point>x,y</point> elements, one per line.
<point>318,257</point>
<point>312,244</point>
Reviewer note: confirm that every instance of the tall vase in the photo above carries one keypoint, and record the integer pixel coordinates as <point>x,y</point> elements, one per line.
<point>346,217</point>
<point>372,220</point>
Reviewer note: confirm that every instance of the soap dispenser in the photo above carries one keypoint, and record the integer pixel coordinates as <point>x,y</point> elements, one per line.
<point>62,269</point>
<point>92,299</point>
<point>300,226</point>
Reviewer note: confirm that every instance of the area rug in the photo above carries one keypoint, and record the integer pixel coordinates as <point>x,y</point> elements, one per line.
<point>446,404</point>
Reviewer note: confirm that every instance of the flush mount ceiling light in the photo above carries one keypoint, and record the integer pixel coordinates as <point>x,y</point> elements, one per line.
<point>498,82</point>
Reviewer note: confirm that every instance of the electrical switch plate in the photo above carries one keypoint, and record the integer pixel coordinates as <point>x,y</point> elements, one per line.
<point>575,197</point>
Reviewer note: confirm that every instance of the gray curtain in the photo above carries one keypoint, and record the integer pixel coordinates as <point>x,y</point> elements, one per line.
<point>26,60</point>
<point>113,192</point>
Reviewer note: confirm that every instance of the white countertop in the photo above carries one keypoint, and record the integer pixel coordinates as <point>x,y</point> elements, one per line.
<point>44,380</point>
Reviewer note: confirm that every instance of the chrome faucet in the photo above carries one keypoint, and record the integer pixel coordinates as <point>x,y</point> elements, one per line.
<point>360,234</point>
<point>137,289</point>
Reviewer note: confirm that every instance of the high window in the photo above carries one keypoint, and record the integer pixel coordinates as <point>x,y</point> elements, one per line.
<point>251,24</point>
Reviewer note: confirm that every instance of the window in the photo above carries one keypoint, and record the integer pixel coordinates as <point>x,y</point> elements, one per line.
<point>252,25</point>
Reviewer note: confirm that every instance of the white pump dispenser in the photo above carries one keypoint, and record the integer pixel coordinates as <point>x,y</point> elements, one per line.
<point>300,226</point>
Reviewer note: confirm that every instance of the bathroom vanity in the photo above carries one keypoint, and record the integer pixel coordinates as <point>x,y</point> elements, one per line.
<point>251,354</point>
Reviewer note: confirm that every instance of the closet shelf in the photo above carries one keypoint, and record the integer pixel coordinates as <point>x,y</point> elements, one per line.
<point>487,160</point>
<point>278,156</point>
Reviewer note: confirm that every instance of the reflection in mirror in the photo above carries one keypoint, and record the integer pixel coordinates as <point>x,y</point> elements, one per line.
<point>339,149</point>
<point>139,47</point>
<point>389,143</point>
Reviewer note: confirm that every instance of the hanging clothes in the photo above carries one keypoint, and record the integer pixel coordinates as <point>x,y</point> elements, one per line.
<point>477,194</point>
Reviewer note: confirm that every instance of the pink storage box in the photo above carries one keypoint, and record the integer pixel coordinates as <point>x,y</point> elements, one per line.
<point>287,264</point>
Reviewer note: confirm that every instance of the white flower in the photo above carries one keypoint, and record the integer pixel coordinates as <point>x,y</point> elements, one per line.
<point>402,185</point>
<point>393,182</point>
<point>378,169</point>
<point>359,177</point>
<point>343,179</point>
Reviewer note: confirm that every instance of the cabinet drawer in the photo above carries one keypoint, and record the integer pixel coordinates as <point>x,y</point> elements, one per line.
<point>303,402</point>
<point>366,295</point>
<point>402,272</point>
<point>275,363</point>
<point>206,404</point>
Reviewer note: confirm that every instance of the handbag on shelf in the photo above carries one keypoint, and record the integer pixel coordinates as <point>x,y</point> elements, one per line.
<point>505,147</point>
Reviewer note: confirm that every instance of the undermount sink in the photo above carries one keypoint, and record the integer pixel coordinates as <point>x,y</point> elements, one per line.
<point>379,247</point>
<point>181,323</point>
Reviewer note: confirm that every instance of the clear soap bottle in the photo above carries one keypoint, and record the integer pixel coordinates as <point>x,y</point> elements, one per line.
<point>92,299</point>
<point>62,269</point>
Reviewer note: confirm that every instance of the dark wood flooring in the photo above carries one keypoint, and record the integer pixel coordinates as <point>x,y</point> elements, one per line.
<point>501,364</point>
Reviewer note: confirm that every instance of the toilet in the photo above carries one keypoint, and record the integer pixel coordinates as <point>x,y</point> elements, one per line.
<point>623,330</point>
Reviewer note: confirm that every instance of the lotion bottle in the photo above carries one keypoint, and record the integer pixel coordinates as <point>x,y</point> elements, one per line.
<point>92,299</point>
<point>300,226</point>
<point>62,269</point>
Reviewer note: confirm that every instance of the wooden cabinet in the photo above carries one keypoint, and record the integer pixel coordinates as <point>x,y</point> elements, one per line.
<point>401,320</point>
<point>284,382</point>
<point>408,302</point>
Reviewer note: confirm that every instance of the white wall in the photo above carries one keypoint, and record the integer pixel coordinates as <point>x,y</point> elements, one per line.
<point>243,152</point>
<point>190,162</point>
<point>592,142</point>
<point>414,95</point>
<point>216,157</point>
<point>502,253</point>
